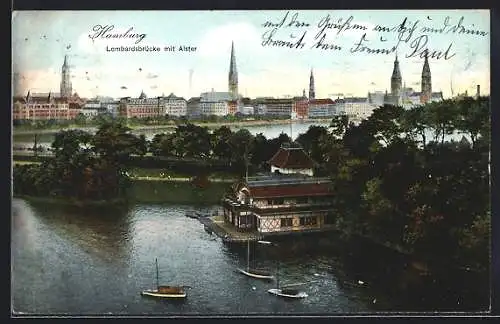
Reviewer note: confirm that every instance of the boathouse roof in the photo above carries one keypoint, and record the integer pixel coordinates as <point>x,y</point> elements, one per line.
<point>291,157</point>
<point>279,186</point>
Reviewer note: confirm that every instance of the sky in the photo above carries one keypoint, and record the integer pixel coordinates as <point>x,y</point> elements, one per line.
<point>40,39</point>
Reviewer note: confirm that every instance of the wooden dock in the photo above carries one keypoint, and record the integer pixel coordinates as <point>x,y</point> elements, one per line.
<point>226,232</point>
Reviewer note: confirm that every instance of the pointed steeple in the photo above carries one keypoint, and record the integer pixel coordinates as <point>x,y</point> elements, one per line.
<point>233,74</point>
<point>396,79</point>
<point>312,93</point>
<point>426,85</point>
<point>66,87</point>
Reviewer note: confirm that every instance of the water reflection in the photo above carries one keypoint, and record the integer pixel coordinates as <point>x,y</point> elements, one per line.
<point>75,261</point>
<point>102,232</point>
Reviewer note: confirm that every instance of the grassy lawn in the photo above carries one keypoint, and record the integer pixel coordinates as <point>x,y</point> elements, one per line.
<point>157,173</point>
<point>25,162</point>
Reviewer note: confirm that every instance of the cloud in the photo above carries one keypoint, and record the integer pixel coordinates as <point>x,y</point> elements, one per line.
<point>217,41</point>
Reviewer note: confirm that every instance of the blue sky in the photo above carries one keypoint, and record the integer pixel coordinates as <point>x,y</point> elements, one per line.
<point>42,38</point>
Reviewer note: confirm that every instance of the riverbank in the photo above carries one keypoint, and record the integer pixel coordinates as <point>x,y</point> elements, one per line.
<point>73,202</point>
<point>139,128</point>
<point>175,191</point>
<point>154,191</point>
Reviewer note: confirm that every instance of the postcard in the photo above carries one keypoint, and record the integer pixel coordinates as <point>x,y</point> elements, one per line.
<point>250,163</point>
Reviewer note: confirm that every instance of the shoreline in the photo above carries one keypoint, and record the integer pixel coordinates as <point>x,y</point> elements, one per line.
<point>173,126</point>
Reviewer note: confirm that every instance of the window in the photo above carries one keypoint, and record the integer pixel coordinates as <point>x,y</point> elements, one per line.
<point>302,200</point>
<point>330,218</point>
<point>286,222</point>
<point>308,221</point>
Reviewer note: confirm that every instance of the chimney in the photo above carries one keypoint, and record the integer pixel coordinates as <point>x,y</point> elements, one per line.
<point>477,92</point>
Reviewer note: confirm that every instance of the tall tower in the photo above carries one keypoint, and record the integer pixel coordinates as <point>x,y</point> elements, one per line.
<point>396,81</point>
<point>65,79</point>
<point>312,94</point>
<point>233,75</point>
<point>426,82</point>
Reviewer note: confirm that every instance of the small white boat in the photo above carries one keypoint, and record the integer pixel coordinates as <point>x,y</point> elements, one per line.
<point>286,292</point>
<point>165,291</point>
<point>253,272</point>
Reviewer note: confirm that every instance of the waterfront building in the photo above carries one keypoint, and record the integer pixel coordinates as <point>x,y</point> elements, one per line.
<point>193,107</point>
<point>354,107</point>
<point>232,107</point>
<point>174,106</point>
<point>301,108</point>
<point>215,103</point>
<point>141,107</point>
<point>280,203</point>
<point>321,108</point>
<point>274,107</point>
<point>46,106</point>
<point>93,108</point>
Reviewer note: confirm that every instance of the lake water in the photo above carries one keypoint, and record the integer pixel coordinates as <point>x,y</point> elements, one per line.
<point>95,262</point>
<point>269,131</point>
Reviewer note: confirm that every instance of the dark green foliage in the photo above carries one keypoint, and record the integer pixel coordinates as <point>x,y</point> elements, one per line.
<point>84,166</point>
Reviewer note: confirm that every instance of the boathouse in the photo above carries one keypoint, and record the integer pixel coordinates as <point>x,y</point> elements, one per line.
<point>289,199</point>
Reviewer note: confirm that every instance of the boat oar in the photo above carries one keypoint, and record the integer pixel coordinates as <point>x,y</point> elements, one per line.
<point>186,286</point>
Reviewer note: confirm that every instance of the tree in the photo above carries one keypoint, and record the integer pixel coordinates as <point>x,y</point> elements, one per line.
<point>415,123</point>
<point>384,123</point>
<point>473,114</point>
<point>241,143</point>
<point>442,117</point>
<point>339,125</point>
<point>310,141</point>
<point>221,143</point>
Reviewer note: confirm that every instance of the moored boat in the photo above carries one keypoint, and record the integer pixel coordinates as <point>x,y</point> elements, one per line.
<point>286,292</point>
<point>254,272</point>
<point>165,291</point>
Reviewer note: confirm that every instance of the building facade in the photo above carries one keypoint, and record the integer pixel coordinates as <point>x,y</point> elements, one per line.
<point>289,199</point>
<point>174,106</point>
<point>321,108</point>
<point>39,106</point>
<point>215,103</point>
<point>274,107</point>
<point>141,107</point>
<point>193,107</point>
<point>280,204</point>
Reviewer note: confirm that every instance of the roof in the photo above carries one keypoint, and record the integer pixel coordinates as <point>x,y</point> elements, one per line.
<point>320,101</point>
<point>291,190</point>
<point>291,158</point>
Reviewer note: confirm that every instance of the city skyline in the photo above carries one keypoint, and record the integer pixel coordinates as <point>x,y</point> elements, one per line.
<point>262,70</point>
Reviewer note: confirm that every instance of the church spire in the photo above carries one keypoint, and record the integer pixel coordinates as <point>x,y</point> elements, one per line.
<point>312,93</point>
<point>426,84</point>
<point>396,79</point>
<point>233,74</point>
<point>66,88</point>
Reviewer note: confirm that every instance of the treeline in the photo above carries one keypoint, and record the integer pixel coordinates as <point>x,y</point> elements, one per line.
<point>426,195</point>
<point>84,166</point>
